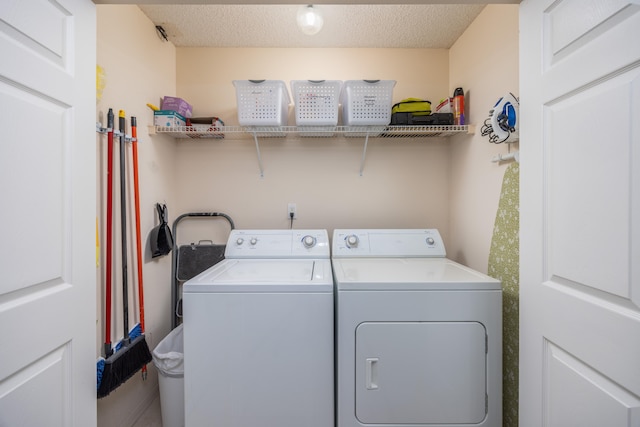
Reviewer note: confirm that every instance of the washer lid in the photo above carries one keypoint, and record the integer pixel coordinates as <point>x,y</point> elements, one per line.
<point>399,274</point>
<point>264,275</point>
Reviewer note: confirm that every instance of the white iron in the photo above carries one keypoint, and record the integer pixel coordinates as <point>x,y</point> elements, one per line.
<point>503,122</point>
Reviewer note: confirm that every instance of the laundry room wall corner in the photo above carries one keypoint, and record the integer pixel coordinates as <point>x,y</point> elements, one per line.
<point>139,68</point>
<point>484,62</point>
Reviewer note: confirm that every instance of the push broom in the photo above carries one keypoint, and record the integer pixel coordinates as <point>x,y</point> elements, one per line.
<point>133,353</point>
<point>109,250</point>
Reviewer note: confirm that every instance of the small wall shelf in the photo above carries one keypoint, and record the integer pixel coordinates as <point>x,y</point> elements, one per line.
<point>255,132</point>
<point>245,132</point>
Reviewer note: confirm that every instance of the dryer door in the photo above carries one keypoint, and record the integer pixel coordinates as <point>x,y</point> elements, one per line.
<point>421,373</point>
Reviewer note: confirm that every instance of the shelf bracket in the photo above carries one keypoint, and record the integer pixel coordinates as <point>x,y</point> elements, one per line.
<point>364,153</point>
<point>255,138</point>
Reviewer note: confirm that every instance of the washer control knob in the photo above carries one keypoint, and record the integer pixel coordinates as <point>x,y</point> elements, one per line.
<point>253,241</point>
<point>430,241</point>
<point>308,241</point>
<point>351,241</point>
<point>239,241</point>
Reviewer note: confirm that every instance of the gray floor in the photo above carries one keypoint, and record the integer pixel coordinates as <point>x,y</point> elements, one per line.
<point>151,417</point>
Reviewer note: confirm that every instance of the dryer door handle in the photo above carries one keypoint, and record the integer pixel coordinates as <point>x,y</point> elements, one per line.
<point>371,376</point>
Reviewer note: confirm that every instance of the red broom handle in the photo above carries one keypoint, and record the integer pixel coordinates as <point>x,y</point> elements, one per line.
<point>136,188</point>
<point>134,145</point>
<point>108,279</point>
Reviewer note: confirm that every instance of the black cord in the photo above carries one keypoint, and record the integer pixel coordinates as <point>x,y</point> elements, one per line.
<point>487,130</point>
<point>291,219</point>
<point>162,32</point>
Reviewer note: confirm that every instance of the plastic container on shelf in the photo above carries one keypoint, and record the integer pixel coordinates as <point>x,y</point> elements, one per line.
<point>367,102</point>
<point>262,102</point>
<point>316,102</point>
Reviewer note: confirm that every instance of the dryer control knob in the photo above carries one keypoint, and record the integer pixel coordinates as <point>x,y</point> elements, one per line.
<point>430,241</point>
<point>351,241</point>
<point>253,241</point>
<point>239,241</point>
<point>308,241</point>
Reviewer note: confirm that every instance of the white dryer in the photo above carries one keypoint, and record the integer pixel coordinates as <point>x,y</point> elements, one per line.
<point>258,333</point>
<point>418,336</point>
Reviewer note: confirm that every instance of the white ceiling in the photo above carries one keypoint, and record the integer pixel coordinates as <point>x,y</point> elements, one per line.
<point>345,25</point>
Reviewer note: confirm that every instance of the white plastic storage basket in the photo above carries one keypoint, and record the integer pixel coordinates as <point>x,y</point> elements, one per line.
<point>367,102</point>
<point>316,102</point>
<point>262,102</point>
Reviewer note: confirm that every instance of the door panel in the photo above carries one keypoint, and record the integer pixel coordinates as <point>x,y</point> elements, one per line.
<point>577,395</point>
<point>47,185</point>
<point>580,213</point>
<point>589,178</point>
<point>33,384</point>
<point>39,25</point>
<point>572,24</point>
<point>421,373</point>
<point>44,163</point>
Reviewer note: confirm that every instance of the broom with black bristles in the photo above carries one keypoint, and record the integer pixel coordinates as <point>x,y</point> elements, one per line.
<point>133,353</point>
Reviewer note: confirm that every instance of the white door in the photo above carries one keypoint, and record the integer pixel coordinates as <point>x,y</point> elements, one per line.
<point>47,213</point>
<point>580,213</point>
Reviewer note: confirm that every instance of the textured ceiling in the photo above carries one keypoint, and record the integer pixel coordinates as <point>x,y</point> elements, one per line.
<point>435,26</point>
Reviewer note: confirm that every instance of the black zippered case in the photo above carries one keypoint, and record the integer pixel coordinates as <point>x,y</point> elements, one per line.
<point>408,119</point>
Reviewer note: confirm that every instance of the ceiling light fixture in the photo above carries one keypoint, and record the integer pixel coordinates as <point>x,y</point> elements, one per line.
<point>309,19</point>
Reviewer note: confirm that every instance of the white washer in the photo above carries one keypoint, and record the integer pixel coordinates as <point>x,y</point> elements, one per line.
<point>258,333</point>
<point>418,336</point>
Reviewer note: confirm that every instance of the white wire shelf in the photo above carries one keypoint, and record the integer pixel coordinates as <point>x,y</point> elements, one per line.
<point>258,133</point>
<point>246,132</point>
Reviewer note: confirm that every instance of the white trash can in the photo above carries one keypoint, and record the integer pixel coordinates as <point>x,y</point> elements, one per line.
<point>168,358</point>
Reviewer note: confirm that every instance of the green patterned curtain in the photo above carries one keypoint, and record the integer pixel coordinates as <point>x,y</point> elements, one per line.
<point>504,265</point>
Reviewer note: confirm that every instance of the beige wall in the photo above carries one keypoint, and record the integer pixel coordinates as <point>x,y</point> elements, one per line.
<point>484,61</point>
<point>404,183</point>
<point>139,68</point>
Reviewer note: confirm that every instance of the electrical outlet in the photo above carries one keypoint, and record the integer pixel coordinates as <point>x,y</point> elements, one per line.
<point>291,209</point>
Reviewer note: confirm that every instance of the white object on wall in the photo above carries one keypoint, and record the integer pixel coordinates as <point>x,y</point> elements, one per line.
<point>502,125</point>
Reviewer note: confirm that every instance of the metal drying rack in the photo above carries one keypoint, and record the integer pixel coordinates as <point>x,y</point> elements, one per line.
<point>190,260</point>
